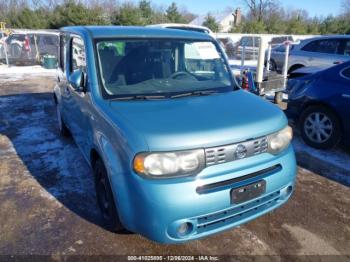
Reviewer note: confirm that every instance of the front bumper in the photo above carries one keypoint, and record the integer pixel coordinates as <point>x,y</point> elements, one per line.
<point>156,208</point>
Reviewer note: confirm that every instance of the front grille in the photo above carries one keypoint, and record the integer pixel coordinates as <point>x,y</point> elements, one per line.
<point>227,153</point>
<point>260,146</point>
<point>236,214</point>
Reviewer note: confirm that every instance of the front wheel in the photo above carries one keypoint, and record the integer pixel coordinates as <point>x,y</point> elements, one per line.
<point>105,198</point>
<point>320,127</point>
<point>63,130</point>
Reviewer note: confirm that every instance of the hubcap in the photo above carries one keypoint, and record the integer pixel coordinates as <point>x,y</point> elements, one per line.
<point>318,127</point>
<point>59,119</point>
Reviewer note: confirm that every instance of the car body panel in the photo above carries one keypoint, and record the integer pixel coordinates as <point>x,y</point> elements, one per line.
<point>163,132</point>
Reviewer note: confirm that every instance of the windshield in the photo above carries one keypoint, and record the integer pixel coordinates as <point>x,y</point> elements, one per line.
<point>161,67</point>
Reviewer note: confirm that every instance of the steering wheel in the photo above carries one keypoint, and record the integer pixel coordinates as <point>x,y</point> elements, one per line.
<point>181,74</point>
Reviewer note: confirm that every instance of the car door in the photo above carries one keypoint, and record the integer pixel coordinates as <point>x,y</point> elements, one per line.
<point>345,50</point>
<point>343,103</point>
<point>78,100</point>
<point>322,52</point>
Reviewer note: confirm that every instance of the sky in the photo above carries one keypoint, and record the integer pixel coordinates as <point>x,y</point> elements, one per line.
<point>314,7</point>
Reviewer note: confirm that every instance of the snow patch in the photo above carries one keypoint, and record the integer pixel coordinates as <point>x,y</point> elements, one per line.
<point>16,73</point>
<point>336,157</point>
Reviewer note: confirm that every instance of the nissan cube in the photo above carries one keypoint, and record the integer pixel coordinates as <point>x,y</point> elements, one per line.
<point>178,151</point>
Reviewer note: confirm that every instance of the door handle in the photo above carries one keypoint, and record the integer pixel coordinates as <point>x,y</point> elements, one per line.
<point>345,96</point>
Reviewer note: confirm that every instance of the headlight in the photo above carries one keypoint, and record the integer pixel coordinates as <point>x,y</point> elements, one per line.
<point>169,164</point>
<point>280,140</point>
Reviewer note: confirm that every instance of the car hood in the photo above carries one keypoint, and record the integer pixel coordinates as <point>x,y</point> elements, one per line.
<point>201,121</point>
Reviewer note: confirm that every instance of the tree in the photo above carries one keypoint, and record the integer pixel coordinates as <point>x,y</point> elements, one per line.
<point>211,23</point>
<point>75,13</point>
<point>254,27</point>
<point>28,18</point>
<point>145,9</point>
<point>127,14</point>
<point>151,15</point>
<point>346,7</point>
<point>258,8</point>
<point>173,14</point>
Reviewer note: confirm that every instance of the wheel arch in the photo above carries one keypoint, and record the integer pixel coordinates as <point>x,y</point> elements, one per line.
<point>94,156</point>
<point>295,67</point>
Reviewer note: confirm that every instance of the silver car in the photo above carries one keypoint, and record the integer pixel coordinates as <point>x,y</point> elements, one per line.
<point>323,51</point>
<point>277,57</point>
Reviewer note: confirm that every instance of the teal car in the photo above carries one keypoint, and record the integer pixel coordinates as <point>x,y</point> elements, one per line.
<point>177,150</point>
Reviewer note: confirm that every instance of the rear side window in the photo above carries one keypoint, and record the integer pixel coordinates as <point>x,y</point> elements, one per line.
<point>250,41</point>
<point>78,58</point>
<point>347,48</point>
<point>49,40</point>
<point>18,38</point>
<point>326,46</point>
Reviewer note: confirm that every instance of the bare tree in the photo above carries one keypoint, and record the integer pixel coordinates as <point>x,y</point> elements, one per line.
<point>258,8</point>
<point>346,7</point>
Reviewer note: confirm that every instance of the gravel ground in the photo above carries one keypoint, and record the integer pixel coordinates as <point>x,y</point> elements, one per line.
<point>48,207</point>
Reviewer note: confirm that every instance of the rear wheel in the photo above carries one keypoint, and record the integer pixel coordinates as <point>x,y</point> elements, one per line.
<point>278,98</point>
<point>320,127</point>
<point>105,199</point>
<point>273,66</point>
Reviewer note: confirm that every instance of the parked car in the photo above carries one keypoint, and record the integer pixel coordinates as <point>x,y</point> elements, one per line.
<point>148,109</point>
<point>277,57</point>
<point>228,45</point>
<point>251,44</point>
<point>30,46</point>
<point>323,51</point>
<point>278,40</point>
<point>320,104</point>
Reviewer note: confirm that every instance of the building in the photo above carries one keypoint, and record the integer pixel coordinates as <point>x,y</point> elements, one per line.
<point>226,20</point>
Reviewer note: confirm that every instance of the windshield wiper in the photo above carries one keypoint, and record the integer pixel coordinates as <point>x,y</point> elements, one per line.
<point>195,93</point>
<point>139,97</point>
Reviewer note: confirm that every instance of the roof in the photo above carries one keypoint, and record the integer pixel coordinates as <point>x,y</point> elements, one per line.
<point>135,31</point>
<point>325,37</point>
<point>29,31</point>
<point>170,25</point>
<point>199,20</point>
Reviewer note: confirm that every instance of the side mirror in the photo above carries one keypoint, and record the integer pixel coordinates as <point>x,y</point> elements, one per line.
<point>77,80</point>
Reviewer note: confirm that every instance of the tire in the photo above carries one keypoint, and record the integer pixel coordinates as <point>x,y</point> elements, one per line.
<point>278,98</point>
<point>63,130</point>
<point>105,199</point>
<point>273,66</point>
<point>320,127</point>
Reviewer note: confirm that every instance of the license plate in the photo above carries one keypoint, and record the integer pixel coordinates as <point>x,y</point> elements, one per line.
<point>248,192</point>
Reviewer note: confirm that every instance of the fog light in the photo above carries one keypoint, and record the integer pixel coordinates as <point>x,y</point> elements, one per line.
<point>184,229</point>
<point>289,190</point>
